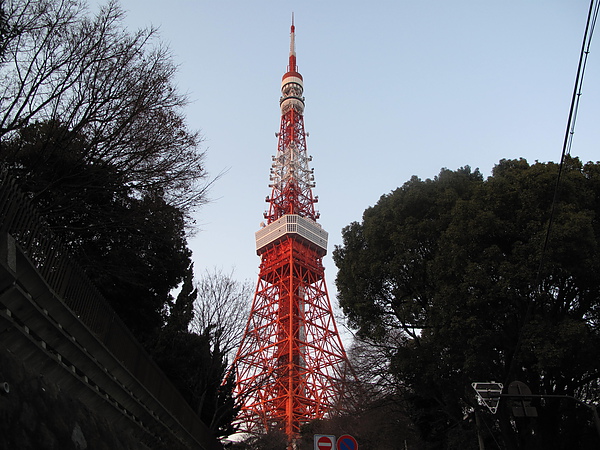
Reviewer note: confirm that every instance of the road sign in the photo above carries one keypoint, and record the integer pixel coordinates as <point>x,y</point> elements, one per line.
<point>324,442</point>
<point>521,403</point>
<point>346,442</point>
<point>489,394</point>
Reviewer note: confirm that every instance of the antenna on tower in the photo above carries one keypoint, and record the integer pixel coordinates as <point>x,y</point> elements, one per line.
<point>292,67</point>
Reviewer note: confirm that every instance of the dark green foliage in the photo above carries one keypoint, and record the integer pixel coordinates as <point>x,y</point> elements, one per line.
<point>196,369</point>
<point>133,247</point>
<point>182,312</point>
<point>458,263</point>
<point>195,364</point>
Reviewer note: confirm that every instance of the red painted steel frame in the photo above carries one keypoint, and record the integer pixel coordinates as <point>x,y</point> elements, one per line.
<point>291,366</point>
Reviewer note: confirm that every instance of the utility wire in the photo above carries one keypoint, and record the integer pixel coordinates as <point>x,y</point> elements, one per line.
<point>585,51</point>
<point>566,149</point>
<point>570,130</point>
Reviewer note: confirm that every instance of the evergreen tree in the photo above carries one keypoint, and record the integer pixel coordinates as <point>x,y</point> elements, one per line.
<point>490,279</point>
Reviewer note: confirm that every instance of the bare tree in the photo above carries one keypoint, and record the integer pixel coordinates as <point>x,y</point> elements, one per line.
<point>223,305</point>
<point>370,360</point>
<point>91,77</point>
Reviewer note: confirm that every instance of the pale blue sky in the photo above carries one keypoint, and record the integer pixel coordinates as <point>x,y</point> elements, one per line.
<point>393,89</point>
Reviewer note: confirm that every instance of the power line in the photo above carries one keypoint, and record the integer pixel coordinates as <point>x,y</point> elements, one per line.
<point>570,129</point>
<point>566,149</point>
<point>577,90</point>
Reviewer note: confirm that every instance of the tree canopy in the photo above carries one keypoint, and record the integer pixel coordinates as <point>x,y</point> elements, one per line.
<point>93,128</point>
<point>489,279</point>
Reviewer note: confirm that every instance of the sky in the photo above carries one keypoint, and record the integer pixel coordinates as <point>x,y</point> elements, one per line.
<point>393,89</point>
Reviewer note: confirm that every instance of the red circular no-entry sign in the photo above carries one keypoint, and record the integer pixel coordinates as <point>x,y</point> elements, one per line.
<point>325,443</point>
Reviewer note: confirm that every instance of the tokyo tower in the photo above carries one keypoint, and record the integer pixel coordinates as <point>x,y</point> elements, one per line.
<point>291,367</point>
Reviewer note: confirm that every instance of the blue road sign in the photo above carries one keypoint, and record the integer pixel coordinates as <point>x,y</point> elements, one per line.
<point>346,442</point>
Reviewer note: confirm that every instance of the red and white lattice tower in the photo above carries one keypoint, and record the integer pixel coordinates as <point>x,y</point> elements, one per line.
<point>291,366</point>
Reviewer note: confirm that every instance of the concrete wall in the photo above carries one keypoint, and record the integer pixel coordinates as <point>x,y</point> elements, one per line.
<point>36,414</point>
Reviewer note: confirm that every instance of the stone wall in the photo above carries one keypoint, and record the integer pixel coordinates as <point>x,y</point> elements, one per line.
<point>36,414</point>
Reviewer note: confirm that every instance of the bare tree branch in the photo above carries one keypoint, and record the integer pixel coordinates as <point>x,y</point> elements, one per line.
<point>223,304</point>
<point>94,79</point>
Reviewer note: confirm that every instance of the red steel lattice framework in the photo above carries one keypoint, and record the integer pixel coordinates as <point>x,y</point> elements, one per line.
<point>291,366</point>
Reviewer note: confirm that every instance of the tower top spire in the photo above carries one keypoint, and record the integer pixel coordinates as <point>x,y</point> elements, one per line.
<point>292,64</point>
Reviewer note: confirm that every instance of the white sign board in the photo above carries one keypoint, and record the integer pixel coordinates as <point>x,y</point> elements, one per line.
<point>489,393</point>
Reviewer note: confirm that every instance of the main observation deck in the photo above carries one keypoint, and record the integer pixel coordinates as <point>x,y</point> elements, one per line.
<point>294,226</point>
